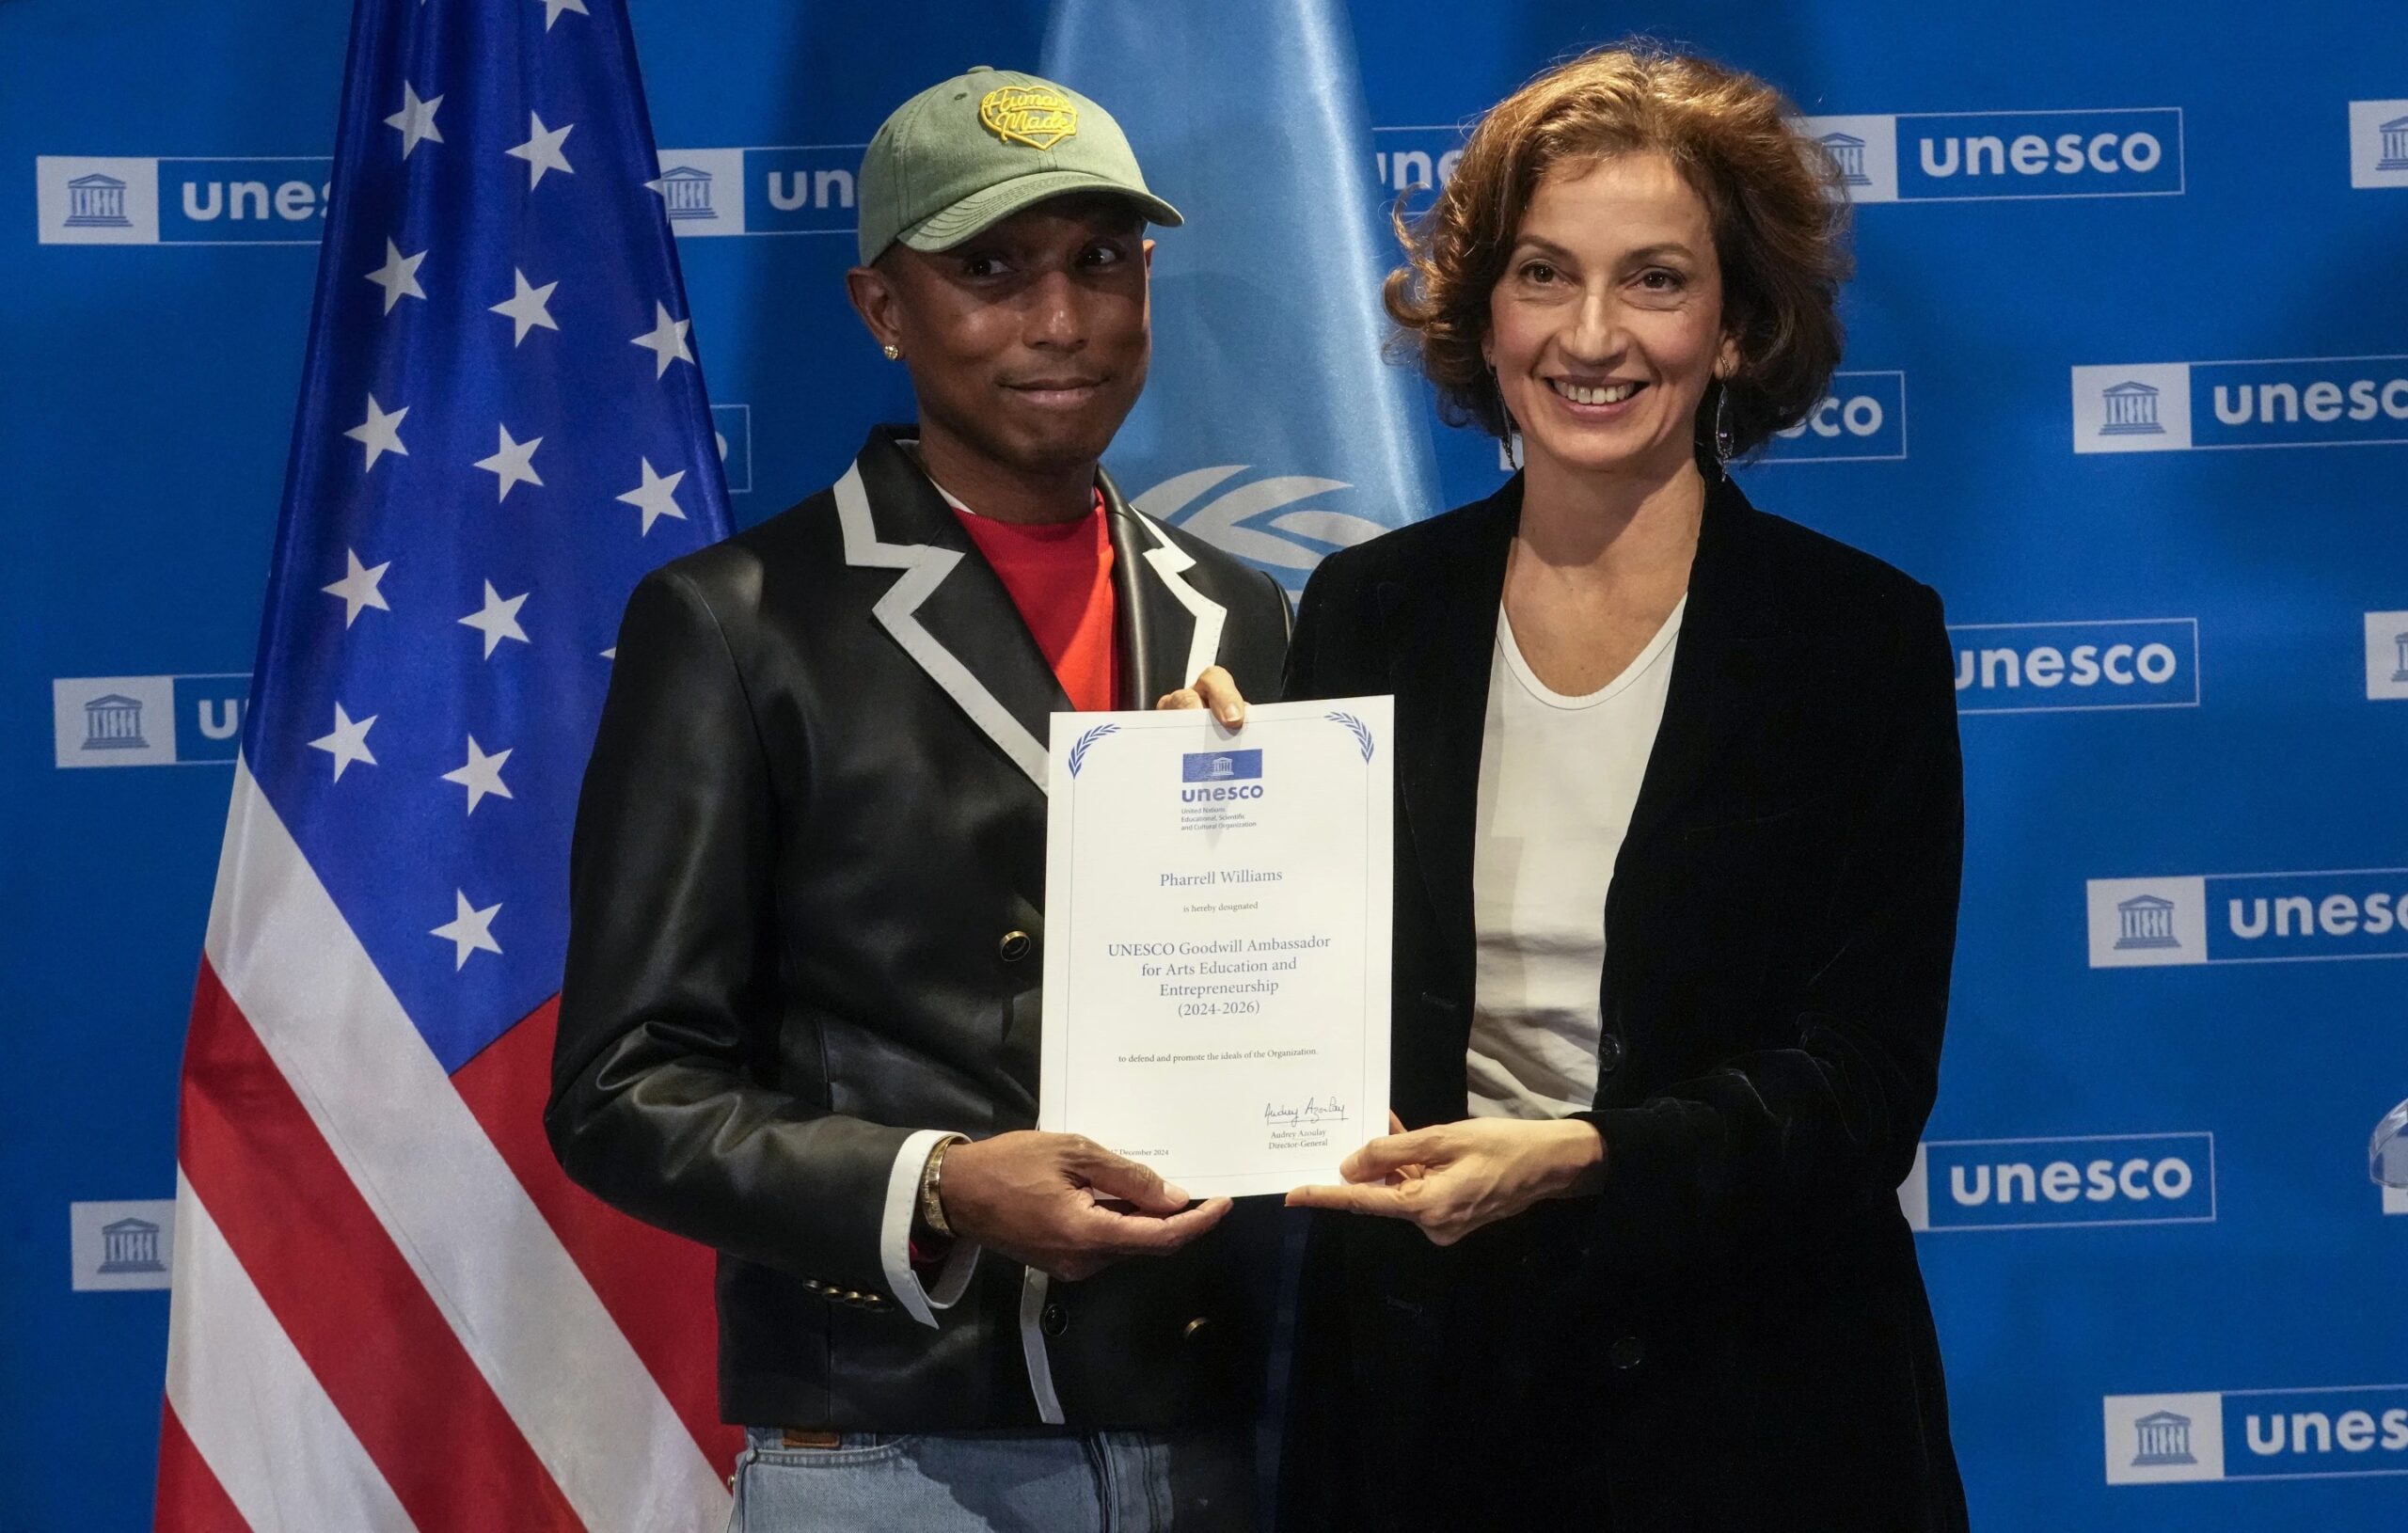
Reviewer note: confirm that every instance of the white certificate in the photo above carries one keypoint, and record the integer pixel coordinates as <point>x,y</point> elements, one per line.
<point>1217,919</point>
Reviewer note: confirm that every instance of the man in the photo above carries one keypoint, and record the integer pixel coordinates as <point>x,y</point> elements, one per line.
<point>799,1021</point>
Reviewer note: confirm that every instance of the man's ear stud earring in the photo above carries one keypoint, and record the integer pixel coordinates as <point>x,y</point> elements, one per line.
<point>894,354</point>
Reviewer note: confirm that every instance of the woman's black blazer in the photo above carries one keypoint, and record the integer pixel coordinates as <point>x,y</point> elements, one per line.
<point>1734,1333</point>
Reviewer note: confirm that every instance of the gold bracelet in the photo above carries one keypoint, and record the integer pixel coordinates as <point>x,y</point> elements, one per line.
<point>931,1194</point>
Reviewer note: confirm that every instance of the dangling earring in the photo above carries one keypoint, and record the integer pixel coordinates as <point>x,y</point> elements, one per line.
<point>894,354</point>
<point>1510,446</point>
<point>1722,437</point>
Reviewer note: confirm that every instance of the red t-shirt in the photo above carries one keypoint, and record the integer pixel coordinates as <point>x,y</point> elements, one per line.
<point>1059,574</point>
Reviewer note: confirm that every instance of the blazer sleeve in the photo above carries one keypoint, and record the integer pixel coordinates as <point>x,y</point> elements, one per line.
<point>670,1006</point>
<point>1829,1122</point>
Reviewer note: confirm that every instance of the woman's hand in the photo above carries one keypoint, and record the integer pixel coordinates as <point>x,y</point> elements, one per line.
<point>1215,689</point>
<point>1455,1177</point>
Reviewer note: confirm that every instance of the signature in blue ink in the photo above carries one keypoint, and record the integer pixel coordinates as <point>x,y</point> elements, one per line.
<point>1314,1111</point>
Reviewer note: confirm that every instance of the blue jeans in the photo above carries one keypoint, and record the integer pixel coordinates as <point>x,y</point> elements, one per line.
<point>1199,1481</point>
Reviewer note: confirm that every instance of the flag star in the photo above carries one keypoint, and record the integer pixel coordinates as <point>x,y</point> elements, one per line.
<point>380,433</point>
<point>416,120</point>
<point>542,150</point>
<point>358,588</point>
<point>666,338</point>
<point>348,743</point>
<point>498,619</point>
<point>482,775</point>
<point>526,307</point>
<point>469,930</point>
<point>398,276</point>
<point>552,9</point>
<point>512,462</point>
<point>657,495</point>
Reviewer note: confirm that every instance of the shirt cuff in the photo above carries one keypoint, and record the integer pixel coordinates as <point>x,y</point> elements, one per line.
<point>894,1236</point>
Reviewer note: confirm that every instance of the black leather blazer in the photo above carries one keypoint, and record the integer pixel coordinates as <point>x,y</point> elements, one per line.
<point>1735,1334</point>
<point>806,919</point>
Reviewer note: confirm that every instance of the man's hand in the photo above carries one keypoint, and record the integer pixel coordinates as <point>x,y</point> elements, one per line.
<point>1215,689</point>
<point>1454,1177</point>
<point>1038,1199</point>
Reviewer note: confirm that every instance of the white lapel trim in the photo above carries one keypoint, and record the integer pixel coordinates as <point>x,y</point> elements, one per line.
<point>925,567</point>
<point>1034,1286</point>
<point>1168,559</point>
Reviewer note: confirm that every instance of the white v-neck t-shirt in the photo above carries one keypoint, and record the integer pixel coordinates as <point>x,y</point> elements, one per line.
<point>1559,778</point>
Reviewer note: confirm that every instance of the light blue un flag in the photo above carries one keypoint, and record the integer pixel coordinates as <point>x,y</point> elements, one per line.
<point>1271,426</point>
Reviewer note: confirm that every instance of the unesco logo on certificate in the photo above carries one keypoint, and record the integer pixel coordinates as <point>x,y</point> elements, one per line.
<point>1220,766</point>
<point>1216,785</point>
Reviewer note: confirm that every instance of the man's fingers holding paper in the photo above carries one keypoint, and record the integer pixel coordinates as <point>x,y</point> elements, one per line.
<point>1216,689</point>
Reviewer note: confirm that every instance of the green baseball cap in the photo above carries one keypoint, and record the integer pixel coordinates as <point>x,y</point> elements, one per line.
<point>964,155</point>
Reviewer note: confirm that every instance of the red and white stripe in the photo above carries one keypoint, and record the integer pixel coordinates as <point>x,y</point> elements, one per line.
<point>392,1310</point>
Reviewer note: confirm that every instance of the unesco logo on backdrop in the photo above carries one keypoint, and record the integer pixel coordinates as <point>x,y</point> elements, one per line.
<point>703,191</point>
<point>2090,1179</point>
<point>2248,918</point>
<point>1416,162</point>
<point>2077,667</point>
<point>2387,655</point>
<point>2378,144</point>
<point>2257,1434</point>
<point>1862,419</point>
<point>812,188</point>
<point>777,189</point>
<point>121,1245</point>
<point>1989,156</point>
<point>148,720</point>
<point>281,199</point>
<point>257,199</point>
<point>2295,401</point>
<point>685,193</point>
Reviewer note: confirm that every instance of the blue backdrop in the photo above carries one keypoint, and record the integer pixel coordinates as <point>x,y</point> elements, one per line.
<point>2127,380</point>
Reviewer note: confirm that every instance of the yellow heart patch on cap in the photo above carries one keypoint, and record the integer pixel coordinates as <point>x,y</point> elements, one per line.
<point>1030,115</point>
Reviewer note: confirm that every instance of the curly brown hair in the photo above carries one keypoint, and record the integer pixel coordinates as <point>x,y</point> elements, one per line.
<point>1771,194</point>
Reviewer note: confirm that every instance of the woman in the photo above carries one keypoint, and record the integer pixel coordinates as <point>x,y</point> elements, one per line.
<point>1678,837</point>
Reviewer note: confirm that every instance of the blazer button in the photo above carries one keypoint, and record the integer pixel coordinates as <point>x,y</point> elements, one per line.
<point>1014,946</point>
<point>1627,1353</point>
<point>1054,1320</point>
<point>1188,1332</point>
<point>1609,1051</point>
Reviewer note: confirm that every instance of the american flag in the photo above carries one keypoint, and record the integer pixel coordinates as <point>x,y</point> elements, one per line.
<point>391,1309</point>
